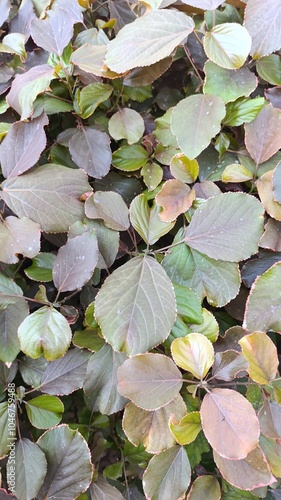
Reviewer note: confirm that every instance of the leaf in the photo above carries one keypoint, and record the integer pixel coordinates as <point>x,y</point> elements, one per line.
<point>152,175</point>
<point>44,411</point>
<point>5,9</point>
<point>100,383</point>
<point>90,97</point>
<point>205,487</point>
<point>269,418</point>
<point>101,490</point>
<point>108,244</point>
<point>41,267</point>
<point>126,124</point>
<point>90,150</point>
<point>49,195</point>
<point>229,365</point>
<point>277,183</point>
<point>143,45</point>
<point>205,113</point>
<point>22,146</point>
<point>228,84</point>
<point>149,380</point>
<point>194,353</point>
<point>263,135</point>
<point>265,190</point>
<point>234,416</point>
<point>217,280</point>
<point>243,111</point>
<point>46,331</point>
<point>29,470</point>
<point>261,354</point>
<point>271,237</point>
<point>168,475</point>
<point>6,439</point>
<point>259,23</point>
<point>248,474</point>
<point>272,451</point>
<point>236,173</point>
<point>175,198</point>
<point>226,227</point>
<point>13,43</point>
<point>65,375</point>
<point>187,429</point>
<point>10,320</point>
<point>90,58</point>
<point>203,4</point>
<point>141,318</point>
<point>10,292</point>
<point>18,236</point>
<point>151,428</point>
<point>146,221</point>
<point>26,87</point>
<point>54,32</point>
<point>188,304</point>
<point>208,327</point>
<point>269,69</point>
<point>227,45</point>
<point>263,304</point>
<point>129,158</point>
<point>110,207</point>
<point>65,477</point>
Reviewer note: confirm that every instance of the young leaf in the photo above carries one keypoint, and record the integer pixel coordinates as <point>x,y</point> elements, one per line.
<point>150,428</point>
<point>100,383</point>
<point>187,429</point>
<point>263,135</point>
<point>168,475</point>
<point>90,150</point>
<point>18,236</point>
<point>90,97</point>
<point>146,221</point>
<point>263,304</point>
<point>263,26</point>
<point>41,267</point>
<point>49,195</point>
<point>195,121</point>
<point>227,227</point>
<point>44,411</point>
<point>236,173</point>
<point>247,474</point>
<point>234,416</point>
<point>193,353</point>
<point>22,146</point>
<point>29,470</point>
<point>184,169</point>
<point>149,380</point>
<point>54,32</point>
<point>244,110</point>
<point>205,487</point>
<point>126,124</point>
<point>261,354</point>
<point>143,45</point>
<point>130,158</point>
<point>228,45</point>
<point>65,375</point>
<point>26,87</point>
<point>10,320</point>
<point>75,262</point>
<point>142,317</point>
<point>110,207</point>
<point>65,477</point>
<point>45,331</point>
<point>175,198</point>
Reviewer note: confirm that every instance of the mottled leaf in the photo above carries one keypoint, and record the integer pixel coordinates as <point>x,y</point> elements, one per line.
<point>193,353</point>
<point>110,207</point>
<point>90,150</point>
<point>261,354</point>
<point>227,45</point>
<point>263,135</point>
<point>175,198</point>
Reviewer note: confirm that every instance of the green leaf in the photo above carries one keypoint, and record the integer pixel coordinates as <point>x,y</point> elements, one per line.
<point>32,370</point>
<point>269,68</point>
<point>51,105</point>
<point>243,111</point>
<point>145,219</point>
<point>65,476</point>
<point>227,227</point>
<point>100,383</point>
<point>44,411</point>
<point>227,45</point>
<point>129,158</point>
<point>272,451</point>
<point>143,316</point>
<point>261,354</point>
<point>10,292</point>
<point>208,327</point>
<point>90,150</point>
<point>168,475</point>
<point>26,87</point>
<point>163,130</point>
<point>149,380</point>
<point>231,413</point>
<point>152,175</point>
<point>263,135</point>
<point>228,84</point>
<point>126,124</point>
<point>7,436</point>
<point>260,23</point>
<point>88,99</point>
<point>18,236</point>
<point>205,487</point>
<point>13,43</point>
<point>110,207</point>
<point>143,45</point>
<point>41,267</point>
<point>10,320</point>
<point>29,470</point>
<point>194,353</point>
<point>187,429</point>
<point>49,195</point>
<point>205,113</point>
<point>113,471</point>
<point>188,304</point>
<point>151,428</point>
<point>263,304</point>
<point>45,331</point>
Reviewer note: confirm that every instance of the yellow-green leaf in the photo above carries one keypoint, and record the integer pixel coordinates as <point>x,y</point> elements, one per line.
<point>261,354</point>
<point>228,45</point>
<point>193,353</point>
<point>187,429</point>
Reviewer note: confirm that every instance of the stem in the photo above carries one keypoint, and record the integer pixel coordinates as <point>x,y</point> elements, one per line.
<point>160,250</point>
<point>26,298</point>
<point>192,64</point>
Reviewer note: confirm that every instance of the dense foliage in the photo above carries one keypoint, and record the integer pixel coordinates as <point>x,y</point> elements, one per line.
<point>140,249</point>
